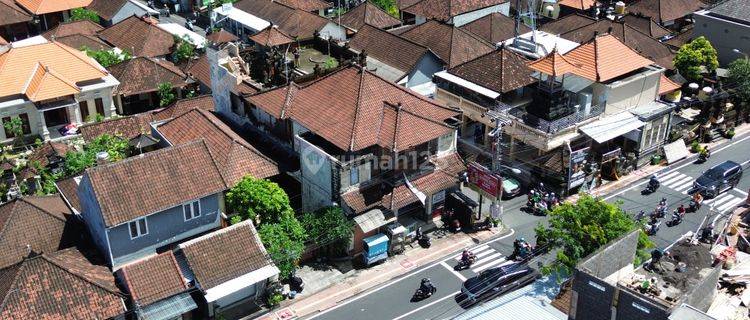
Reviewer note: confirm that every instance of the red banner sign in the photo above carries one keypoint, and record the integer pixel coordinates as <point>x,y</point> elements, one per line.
<point>484,179</point>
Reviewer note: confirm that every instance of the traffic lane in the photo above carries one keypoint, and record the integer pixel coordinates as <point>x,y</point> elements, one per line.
<point>394,300</point>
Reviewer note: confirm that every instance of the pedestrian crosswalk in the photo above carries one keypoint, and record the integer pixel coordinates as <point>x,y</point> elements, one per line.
<point>677,181</point>
<point>724,202</point>
<point>486,257</point>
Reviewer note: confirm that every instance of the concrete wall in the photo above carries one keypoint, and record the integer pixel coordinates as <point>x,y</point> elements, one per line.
<point>615,256</point>
<point>465,18</point>
<point>334,31</point>
<point>165,227</point>
<point>127,10</point>
<point>703,294</point>
<point>631,307</point>
<point>631,92</point>
<point>92,217</point>
<point>422,73</point>
<point>724,35</point>
<point>592,298</point>
<point>316,171</point>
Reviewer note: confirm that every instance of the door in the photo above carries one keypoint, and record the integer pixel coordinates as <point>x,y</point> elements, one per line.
<point>84,106</point>
<point>56,117</point>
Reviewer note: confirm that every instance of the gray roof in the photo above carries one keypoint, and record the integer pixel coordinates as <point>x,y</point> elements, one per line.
<point>532,302</point>
<point>733,9</point>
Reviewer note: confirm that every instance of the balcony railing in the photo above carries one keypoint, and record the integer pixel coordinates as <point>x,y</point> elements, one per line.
<point>554,126</point>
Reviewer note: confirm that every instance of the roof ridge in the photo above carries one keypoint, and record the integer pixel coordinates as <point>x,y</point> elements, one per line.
<point>59,265</point>
<point>78,54</point>
<point>7,221</point>
<point>19,265</point>
<point>412,93</point>
<point>355,123</point>
<point>42,209</point>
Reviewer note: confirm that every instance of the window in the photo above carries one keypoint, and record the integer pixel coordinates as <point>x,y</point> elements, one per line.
<point>353,176</point>
<point>138,228</point>
<point>99,106</point>
<point>84,106</point>
<point>191,210</point>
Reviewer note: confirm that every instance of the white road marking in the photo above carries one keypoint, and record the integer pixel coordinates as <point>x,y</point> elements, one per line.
<point>489,265</point>
<point>486,259</point>
<point>730,204</point>
<point>478,252</point>
<point>670,175</point>
<point>740,191</point>
<point>672,181</point>
<point>453,271</point>
<point>451,295</point>
<point>405,276</point>
<point>721,199</point>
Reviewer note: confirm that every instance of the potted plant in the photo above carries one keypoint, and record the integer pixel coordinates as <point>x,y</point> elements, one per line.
<point>695,146</point>
<point>730,133</point>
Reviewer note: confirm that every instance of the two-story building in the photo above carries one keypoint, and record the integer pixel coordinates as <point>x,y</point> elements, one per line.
<point>587,109</point>
<point>146,204</point>
<point>49,85</point>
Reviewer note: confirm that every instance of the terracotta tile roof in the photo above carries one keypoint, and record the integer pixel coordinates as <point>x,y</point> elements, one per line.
<point>41,70</point>
<point>494,28</point>
<point>80,41</point>
<point>402,4</point>
<point>400,53</point>
<point>69,28</point>
<point>445,175</point>
<point>444,10</point>
<point>234,156</point>
<point>106,9</point>
<point>666,85</point>
<point>198,69</point>
<point>60,285</point>
<point>139,37</point>
<point>646,25</point>
<point>665,10</point>
<point>501,71</point>
<point>3,41</point>
<point>354,109</point>
<point>225,254</point>
<point>582,24</point>
<point>141,75</point>
<point>180,107</point>
<point>155,278</point>
<point>567,23</point>
<point>453,45</point>
<point>47,150</point>
<point>554,64</point>
<point>128,127</point>
<point>271,37</point>
<point>577,4</point>
<point>39,7</point>
<point>368,13</point>
<point>154,181</point>
<point>605,58</point>
<point>307,5</point>
<point>684,36</point>
<point>68,189</point>
<point>631,36</point>
<point>37,222</point>
<point>293,22</point>
<point>12,13</point>
<point>221,37</point>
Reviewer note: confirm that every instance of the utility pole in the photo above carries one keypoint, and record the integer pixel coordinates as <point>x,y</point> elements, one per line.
<point>501,120</point>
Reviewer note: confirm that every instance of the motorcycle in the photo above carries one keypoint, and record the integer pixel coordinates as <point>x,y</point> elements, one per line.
<point>694,206</point>
<point>650,188</point>
<point>465,263</point>
<point>703,157</point>
<point>676,219</point>
<point>424,241</point>
<point>652,228</point>
<point>424,291</point>
<point>660,211</point>
<point>189,25</point>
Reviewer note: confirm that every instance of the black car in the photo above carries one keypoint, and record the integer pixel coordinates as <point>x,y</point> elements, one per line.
<point>495,281</point>
<point>720,178</point>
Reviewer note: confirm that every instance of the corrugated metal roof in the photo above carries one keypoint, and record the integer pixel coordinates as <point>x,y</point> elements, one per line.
<point>528,303</point>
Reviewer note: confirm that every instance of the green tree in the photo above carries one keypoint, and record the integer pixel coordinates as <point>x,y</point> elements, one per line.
<point>329,228</point>
<point>739,73</point>
<point>694,55</point>
<point>184,50</point>
<point>79,14</point>
<point>115,146</point>
<point>285,243</point>
<point>166,94</point>
<point>578,229</point>
<point>107,58</point>
<point>260,199</point>
<point>388,6</point>
<point>15,127</point>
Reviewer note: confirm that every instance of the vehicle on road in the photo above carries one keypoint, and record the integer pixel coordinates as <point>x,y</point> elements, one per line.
<point>496,281</point>
<point>511,187</point>
<point>718,179</point>
<point>426,289</point>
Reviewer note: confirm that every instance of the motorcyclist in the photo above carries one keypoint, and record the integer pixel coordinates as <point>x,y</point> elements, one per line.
<point>467,256</point>
<point>654,182</point>
<point>705,153</point>
<point>640,215</point>
<point>426,286</point>
<point>681,210</point>
<point>697,198</point>
<point>676,216</point>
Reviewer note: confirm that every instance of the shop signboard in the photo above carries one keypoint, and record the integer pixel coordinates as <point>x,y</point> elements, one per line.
<point>484,180</point>
<point>576,175</point>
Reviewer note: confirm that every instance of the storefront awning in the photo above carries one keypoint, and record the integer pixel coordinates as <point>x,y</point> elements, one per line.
<point>240,283</point>
<point>611,127</point>
<point>372,220</point>
<point>170,308</point>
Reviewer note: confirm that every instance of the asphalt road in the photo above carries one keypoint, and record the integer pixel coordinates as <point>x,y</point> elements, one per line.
<point>392,300</point>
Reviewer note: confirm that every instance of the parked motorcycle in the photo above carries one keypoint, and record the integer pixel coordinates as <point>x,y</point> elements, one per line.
<point>189,25</point>
<point>424,241</point>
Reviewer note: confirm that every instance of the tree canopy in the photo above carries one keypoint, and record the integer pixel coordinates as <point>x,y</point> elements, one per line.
<point>184,50</point>
<point>285,243</point>
<point>578,229</point>
<point>255,198</point>
<point>388,6</point>
<point>79,14</point>
<point>329,228</point>
<point>694,55</point>
<point>739,73</point>
<point>166,94</point>
<point>107,58</point>
<point>115,146</point>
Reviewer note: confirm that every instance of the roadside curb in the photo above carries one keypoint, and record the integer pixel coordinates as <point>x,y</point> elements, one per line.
<point>396,268</point>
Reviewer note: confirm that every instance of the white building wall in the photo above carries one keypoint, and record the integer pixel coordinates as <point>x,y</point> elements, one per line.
<point>334,31</point>
<point>468,17</point>
<point>630,93</point>
<point>127,10</point>
<point>316,169</point>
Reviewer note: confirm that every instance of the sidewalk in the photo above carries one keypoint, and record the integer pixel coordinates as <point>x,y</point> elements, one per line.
<point>369,278</point>
<point>649,170</point>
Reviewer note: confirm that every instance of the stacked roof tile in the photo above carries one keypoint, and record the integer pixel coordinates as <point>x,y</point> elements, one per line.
<point>454,45</point>
<point>501,71</point>
<point>367,13</point>
<point>140,37</point>
<point>444,10</point>
<point>155,278</point>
